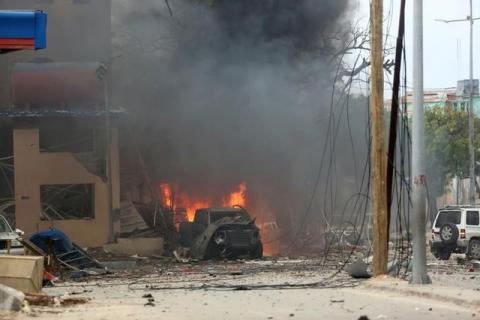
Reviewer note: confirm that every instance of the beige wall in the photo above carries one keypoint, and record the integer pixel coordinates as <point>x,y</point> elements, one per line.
<point>33,169</point>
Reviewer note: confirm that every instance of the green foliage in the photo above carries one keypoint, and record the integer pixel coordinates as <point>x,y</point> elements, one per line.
<point>446,140</point>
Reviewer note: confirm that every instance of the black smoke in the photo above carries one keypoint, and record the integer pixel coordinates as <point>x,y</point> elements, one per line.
<point>224,91</point>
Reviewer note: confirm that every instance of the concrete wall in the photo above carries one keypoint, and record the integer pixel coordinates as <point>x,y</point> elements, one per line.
<point>33,169</point>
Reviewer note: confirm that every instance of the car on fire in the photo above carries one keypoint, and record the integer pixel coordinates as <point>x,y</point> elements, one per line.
<point>222,233</point>
<point>456,229</point>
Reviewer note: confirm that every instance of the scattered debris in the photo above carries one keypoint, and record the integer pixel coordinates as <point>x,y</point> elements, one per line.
<point>130,219</point>
<point>10,299</point>
<point>475,264</point>
<point>150,300</point>
<point>179,258</point>
<point>80,292</point>
<point>61,251</point>
<point>120,264</point>
<point>51,301</point>
<point>358,270</point>
<point>337,301</point>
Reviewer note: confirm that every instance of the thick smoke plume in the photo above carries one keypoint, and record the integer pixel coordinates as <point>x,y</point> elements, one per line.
<point>225,91</point>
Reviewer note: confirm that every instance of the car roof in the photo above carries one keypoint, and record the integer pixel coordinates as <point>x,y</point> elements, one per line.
<point>219,209</point>
<point>459,207</point>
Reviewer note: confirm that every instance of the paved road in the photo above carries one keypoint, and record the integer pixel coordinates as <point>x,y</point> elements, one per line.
<point>120,303</point>
<point>119,296</point>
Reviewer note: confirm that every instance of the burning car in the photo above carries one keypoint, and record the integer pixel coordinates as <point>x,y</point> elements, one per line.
<point>221,233</point>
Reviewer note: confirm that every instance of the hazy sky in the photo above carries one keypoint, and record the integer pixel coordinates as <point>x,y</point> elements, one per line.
<point>446,46</point>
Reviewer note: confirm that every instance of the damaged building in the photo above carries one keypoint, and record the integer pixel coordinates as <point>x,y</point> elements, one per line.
<point>59,151</point>
<point>55,168</point>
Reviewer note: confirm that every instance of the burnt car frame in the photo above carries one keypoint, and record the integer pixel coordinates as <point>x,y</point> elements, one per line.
<point>222,233</point>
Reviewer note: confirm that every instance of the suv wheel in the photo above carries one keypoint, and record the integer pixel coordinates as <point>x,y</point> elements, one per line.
<point>442,253</point>
<point>449,234</point>
<point>474,249</point>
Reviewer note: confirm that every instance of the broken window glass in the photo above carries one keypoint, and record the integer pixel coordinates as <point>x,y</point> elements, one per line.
<point>67,201</point>
<point>54,139</point>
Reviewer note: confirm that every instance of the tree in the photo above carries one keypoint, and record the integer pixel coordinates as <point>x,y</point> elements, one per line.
<point>447,146</point>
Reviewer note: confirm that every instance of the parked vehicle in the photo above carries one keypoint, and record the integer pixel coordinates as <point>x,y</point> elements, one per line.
<point>221,233</point>
<point>456,229</point>
<point>8,234</point>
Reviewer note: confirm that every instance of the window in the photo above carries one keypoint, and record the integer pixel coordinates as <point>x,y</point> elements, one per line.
<point>447,217</point>
<point>67,201</point>
<point>201,217</point>
<point>54,139</point>
<point>473,218</point>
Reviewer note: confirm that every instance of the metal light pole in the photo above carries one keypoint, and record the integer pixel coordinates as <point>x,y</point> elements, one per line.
<point>419,270</point>
<point>471,115</point>
<point>471,112</point>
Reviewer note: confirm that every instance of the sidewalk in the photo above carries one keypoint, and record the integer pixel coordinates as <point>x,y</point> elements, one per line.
<point>464,297</point>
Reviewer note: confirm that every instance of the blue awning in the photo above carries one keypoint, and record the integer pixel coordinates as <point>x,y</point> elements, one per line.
<point>23,30</point>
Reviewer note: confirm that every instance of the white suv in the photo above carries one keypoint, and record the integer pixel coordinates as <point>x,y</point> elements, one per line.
<point>456,229</point>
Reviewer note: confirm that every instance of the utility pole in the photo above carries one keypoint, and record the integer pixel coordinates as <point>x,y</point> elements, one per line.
<point>378,155</point>
<point>419,270</point>
<point>471,111</point>
<point>103,73</point>
<point>108,160</point>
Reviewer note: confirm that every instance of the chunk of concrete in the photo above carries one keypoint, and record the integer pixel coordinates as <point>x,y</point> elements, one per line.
<point>24,273</point>
<point>10,299</point>
<point>358,269</point>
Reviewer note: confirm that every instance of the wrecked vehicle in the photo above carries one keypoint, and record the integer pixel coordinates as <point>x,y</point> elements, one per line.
<point>9,243</point>
<point>221,233</point>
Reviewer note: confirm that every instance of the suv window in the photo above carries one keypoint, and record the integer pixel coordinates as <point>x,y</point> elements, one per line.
<point>201,217</point>
<point>473,218</point>
<point>447,217</point>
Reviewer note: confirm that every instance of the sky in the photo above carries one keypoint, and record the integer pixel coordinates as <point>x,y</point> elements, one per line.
<point>446,46</point>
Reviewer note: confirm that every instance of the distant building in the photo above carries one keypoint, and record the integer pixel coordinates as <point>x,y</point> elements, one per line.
<point>454,98</point>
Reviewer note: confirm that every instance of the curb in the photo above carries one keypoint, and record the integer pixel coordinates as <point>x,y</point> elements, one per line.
<point>412,292</point>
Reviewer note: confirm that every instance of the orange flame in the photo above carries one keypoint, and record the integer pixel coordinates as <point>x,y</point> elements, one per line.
<point>166,193</point>
<point>190,204</point>
<point>194,205</point>
<point>238,197</point>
